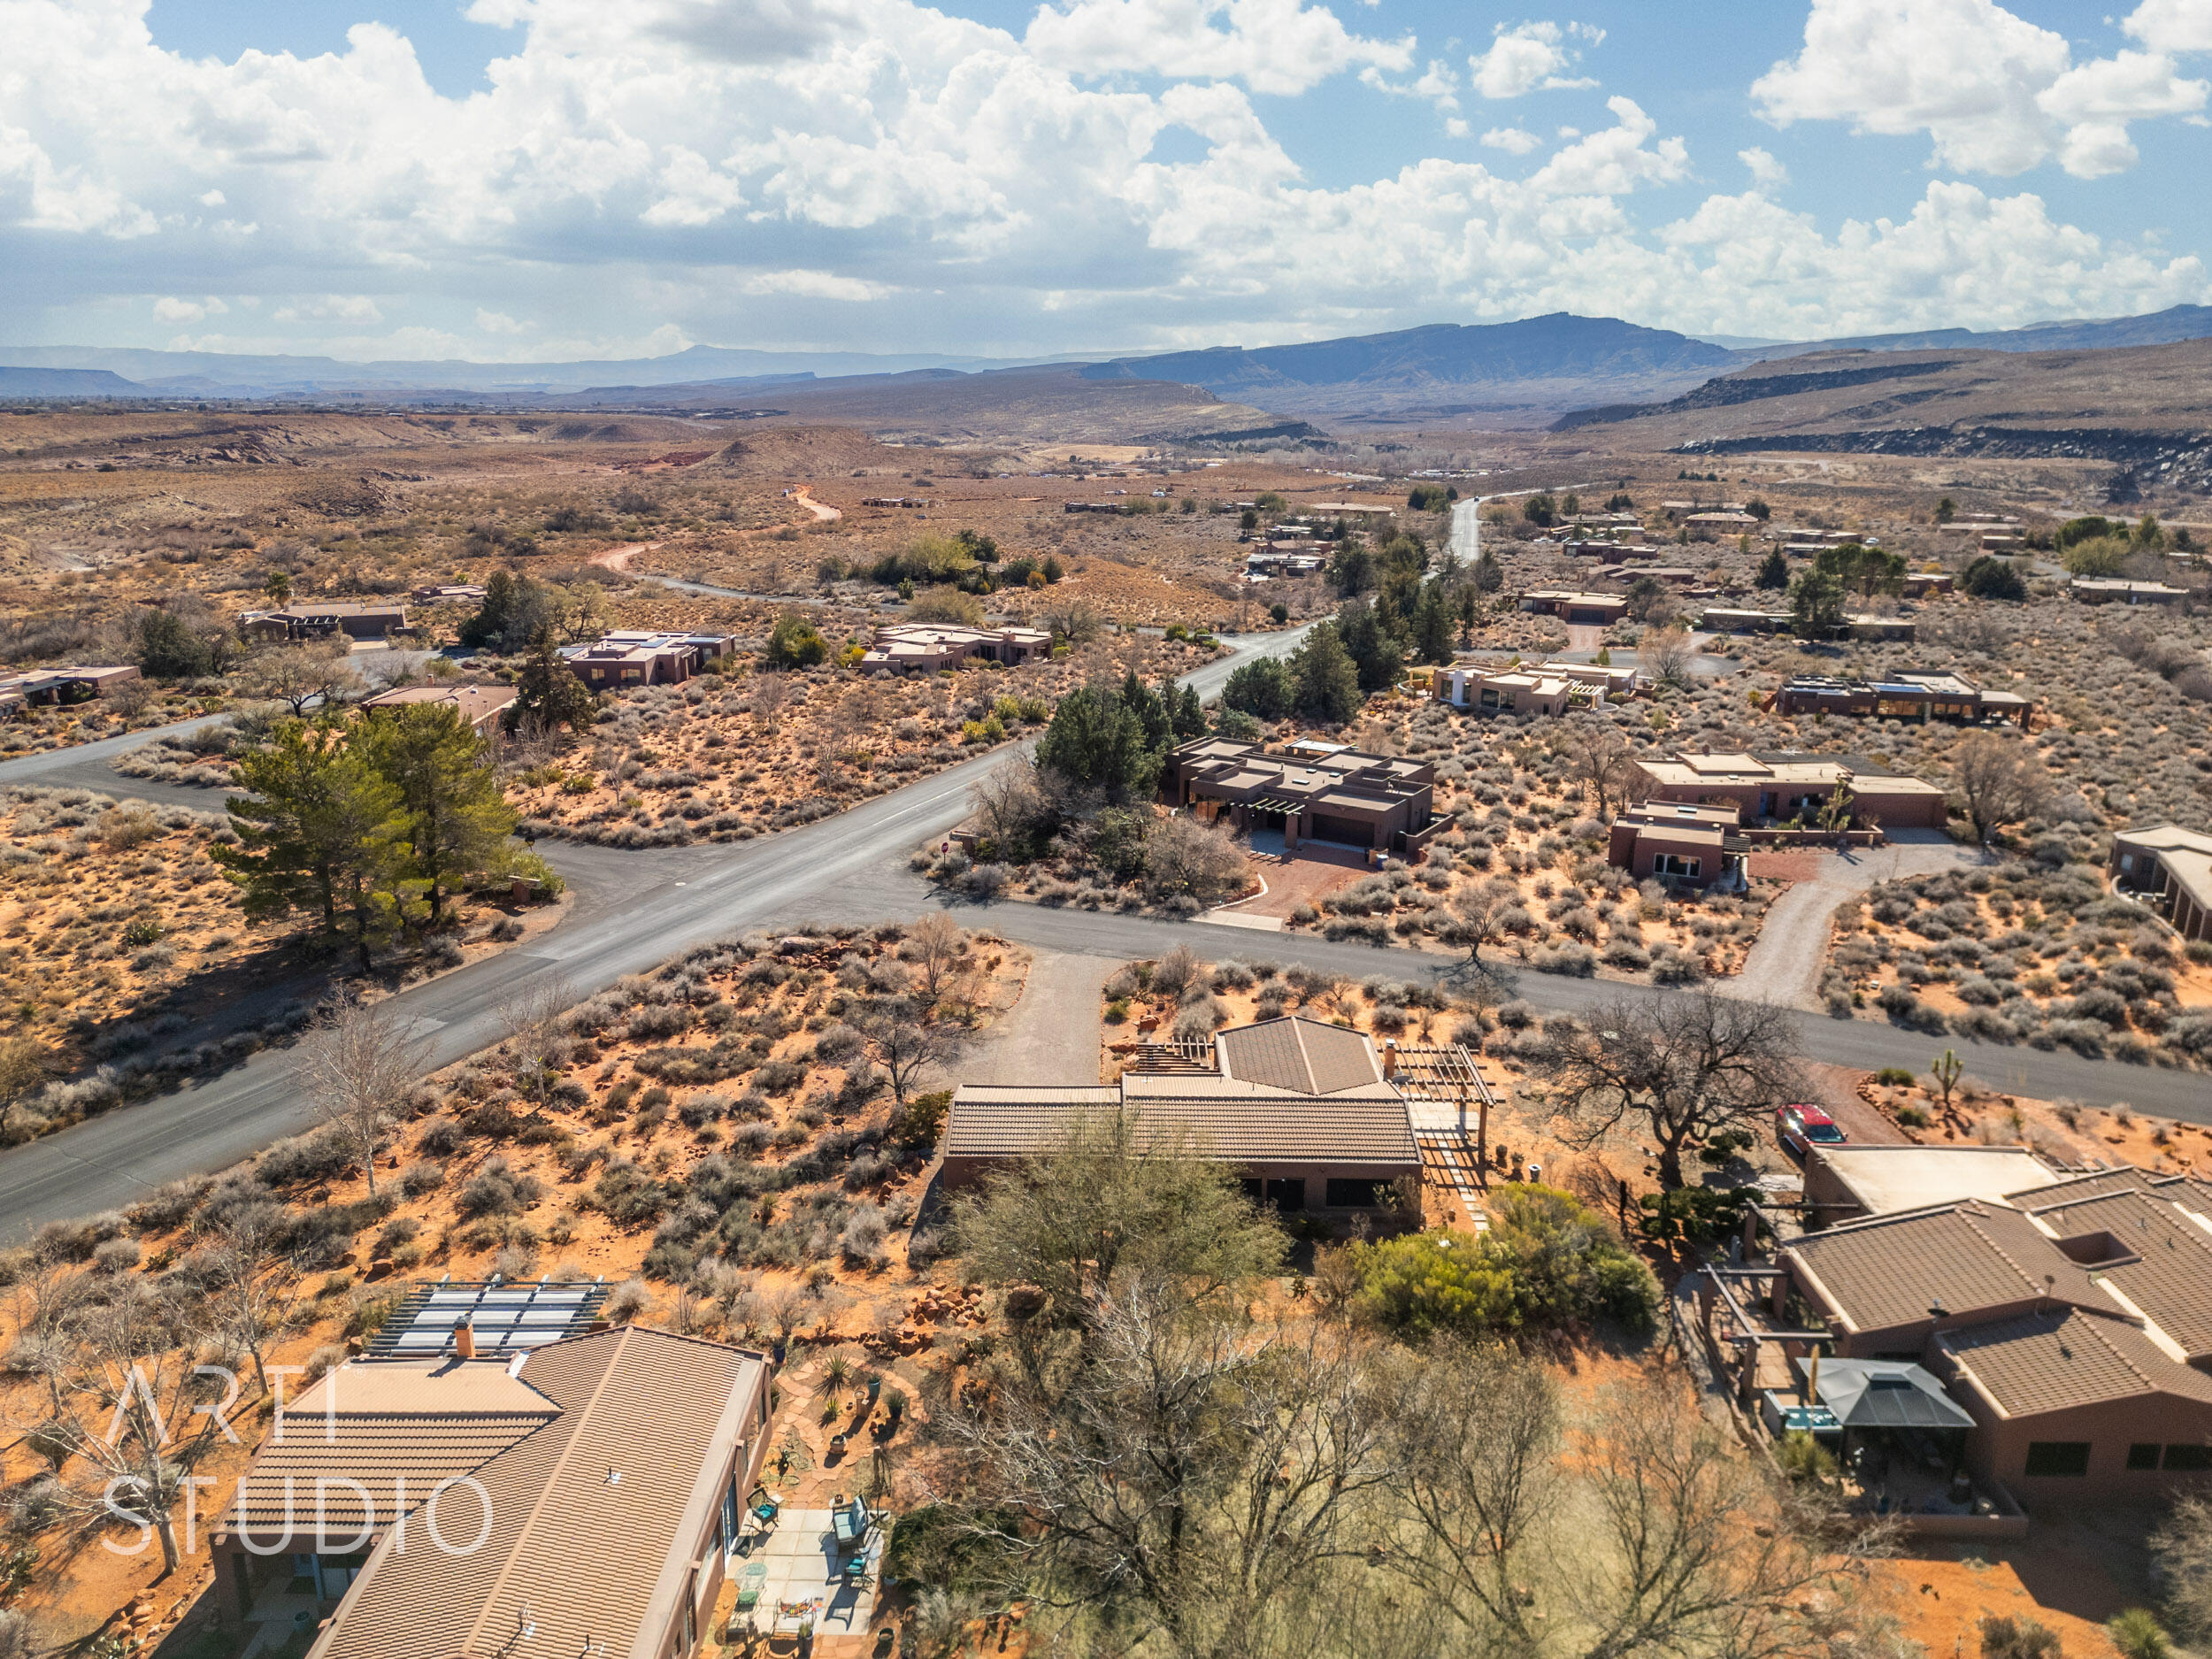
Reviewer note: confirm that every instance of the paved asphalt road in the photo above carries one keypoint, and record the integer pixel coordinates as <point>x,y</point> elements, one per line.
<point>634,910</point>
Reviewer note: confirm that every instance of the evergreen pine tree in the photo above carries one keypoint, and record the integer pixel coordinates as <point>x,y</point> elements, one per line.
<point>1774,571</point>
<point>1324,681</point>
<point>547,693</point>
<point>457,818</point>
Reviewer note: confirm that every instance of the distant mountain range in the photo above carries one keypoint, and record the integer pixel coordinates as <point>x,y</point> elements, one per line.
<point>1523,373</point>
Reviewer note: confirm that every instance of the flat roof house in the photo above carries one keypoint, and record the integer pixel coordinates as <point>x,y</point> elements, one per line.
<point>318,620</point>
<point>1912,695</point>
<point>543,1490</point>
<point>1505,691</point>
<point>926,647</point>
<point>1587,609</point>
<point>636,657</point>
<point>62,684</point>
<point>2106,590</point>
<point>1768,787</point>
<point>480,706</point>
<point>2072,1321</point>
<point>1304,1111</point>
<point>2170,868</point>
<point>1676,843</point>
<point>1843,1183</point>
<point>1311,792</point>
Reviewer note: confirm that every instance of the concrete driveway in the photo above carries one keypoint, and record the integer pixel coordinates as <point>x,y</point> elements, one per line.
<point>1053,1032</point>
<point>1785,965</point>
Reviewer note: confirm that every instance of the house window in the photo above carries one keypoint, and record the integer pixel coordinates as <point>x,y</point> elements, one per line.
<point>2058,1457</point>
<point>2188,1457</point>
<point>2143,1454</point>
<point>1677,864</point>
<point>1353,1194</point>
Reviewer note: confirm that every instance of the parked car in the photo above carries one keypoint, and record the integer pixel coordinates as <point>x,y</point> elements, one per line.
<point>1800,1127</point>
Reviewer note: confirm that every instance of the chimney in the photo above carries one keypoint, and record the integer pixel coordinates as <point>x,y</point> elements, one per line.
<point>464,1337</point>
<point>1390,1056</point>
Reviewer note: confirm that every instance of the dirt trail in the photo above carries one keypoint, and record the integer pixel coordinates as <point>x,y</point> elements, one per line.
<point>618,558</point>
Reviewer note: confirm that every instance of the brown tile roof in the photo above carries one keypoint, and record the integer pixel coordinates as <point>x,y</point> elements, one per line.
<point>2051,1362</point>
<point>2171,1279</point>
<point>591,1559</point>
<point>1298,1054</point>
<point>1888,1270</point>
<point>1243,1127</point>
<point>415,1424</point>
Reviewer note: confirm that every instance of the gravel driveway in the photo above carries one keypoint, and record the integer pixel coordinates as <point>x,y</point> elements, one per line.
<point>1783,966</point>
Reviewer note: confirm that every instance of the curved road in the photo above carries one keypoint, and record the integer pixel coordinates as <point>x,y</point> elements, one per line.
<point>635,909</point>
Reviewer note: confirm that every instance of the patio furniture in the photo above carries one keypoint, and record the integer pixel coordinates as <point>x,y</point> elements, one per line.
<point>749,1583</point>
<point>850,1522</point>
<point>766,1506</point>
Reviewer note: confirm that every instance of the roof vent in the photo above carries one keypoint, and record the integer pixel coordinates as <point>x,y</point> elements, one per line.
<point>614,1477</point>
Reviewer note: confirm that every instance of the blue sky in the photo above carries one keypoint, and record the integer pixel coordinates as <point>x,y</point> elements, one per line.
<point>543,179</point>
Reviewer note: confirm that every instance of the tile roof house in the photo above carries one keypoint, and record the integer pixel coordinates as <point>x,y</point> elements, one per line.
<point>2073,1319</point>
<point>2171,868</point>
<point>582,1494</point>
<point>1309,791</point>
<point>1303,1109</point>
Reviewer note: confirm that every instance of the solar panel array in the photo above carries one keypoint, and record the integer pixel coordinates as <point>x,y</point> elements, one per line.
<point>508,1317</point>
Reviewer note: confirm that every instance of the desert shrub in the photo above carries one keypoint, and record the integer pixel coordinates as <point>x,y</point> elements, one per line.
<point>1546,1261</point>
<point>496,1189</point>
<point>2005,1637</point>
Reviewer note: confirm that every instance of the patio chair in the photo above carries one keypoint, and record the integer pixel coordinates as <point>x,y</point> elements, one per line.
<point>764,1505</point>
<point>749,1583</point>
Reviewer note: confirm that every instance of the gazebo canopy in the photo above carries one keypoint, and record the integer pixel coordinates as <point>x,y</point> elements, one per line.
<point>1878,1394</point>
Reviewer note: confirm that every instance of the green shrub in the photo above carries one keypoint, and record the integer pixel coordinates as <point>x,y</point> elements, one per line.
<point>919,1125</point>
<point>1803,1458</point>
<point>1895,1075</point>
<point>1548,1260</point>
<point>2138,1635</point>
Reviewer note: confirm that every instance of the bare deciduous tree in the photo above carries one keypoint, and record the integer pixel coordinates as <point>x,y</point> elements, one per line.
<point>137,1418</point>
<point>1680,1067</point>
<point>1999,782</point>
<point>250,1286</point>
<point>1479,915</point>
<point>535,1038</point>
<point>905,1043</point>
<point>355,1066</point>
<point>1598,757</point>
<point>935,945</point>
<point>298,675</point>
<point>1666,654</point>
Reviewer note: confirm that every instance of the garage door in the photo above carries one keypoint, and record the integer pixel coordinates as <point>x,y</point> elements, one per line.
<point>1348,830</point>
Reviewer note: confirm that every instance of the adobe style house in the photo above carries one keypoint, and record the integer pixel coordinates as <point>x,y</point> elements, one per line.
<point>1549,688</point>
<point>1911,695</point>
<point>480,707</point>
<point>2109,590</point>
<point>600,1478</point>
<point>2071,1320</point>
<point>313,620</point>
<point>61,685</point>
<point>2171,868</point>
<point>1843,1183</point>
<point>635,658</point>
<point>1689,846</point>
<point>1304,1111</point>
<point>1589,610</point>
<point>925,647</point>
<point>1769,789</point>
<point>1309,791</point>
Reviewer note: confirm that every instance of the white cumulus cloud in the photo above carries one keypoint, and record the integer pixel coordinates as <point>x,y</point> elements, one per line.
<point>169,308</point>
<point>1526,57</point>
<point>1765,170</point>
<point>1273,46</point>
<point>1993,92</point>
<point>1513,140</point>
